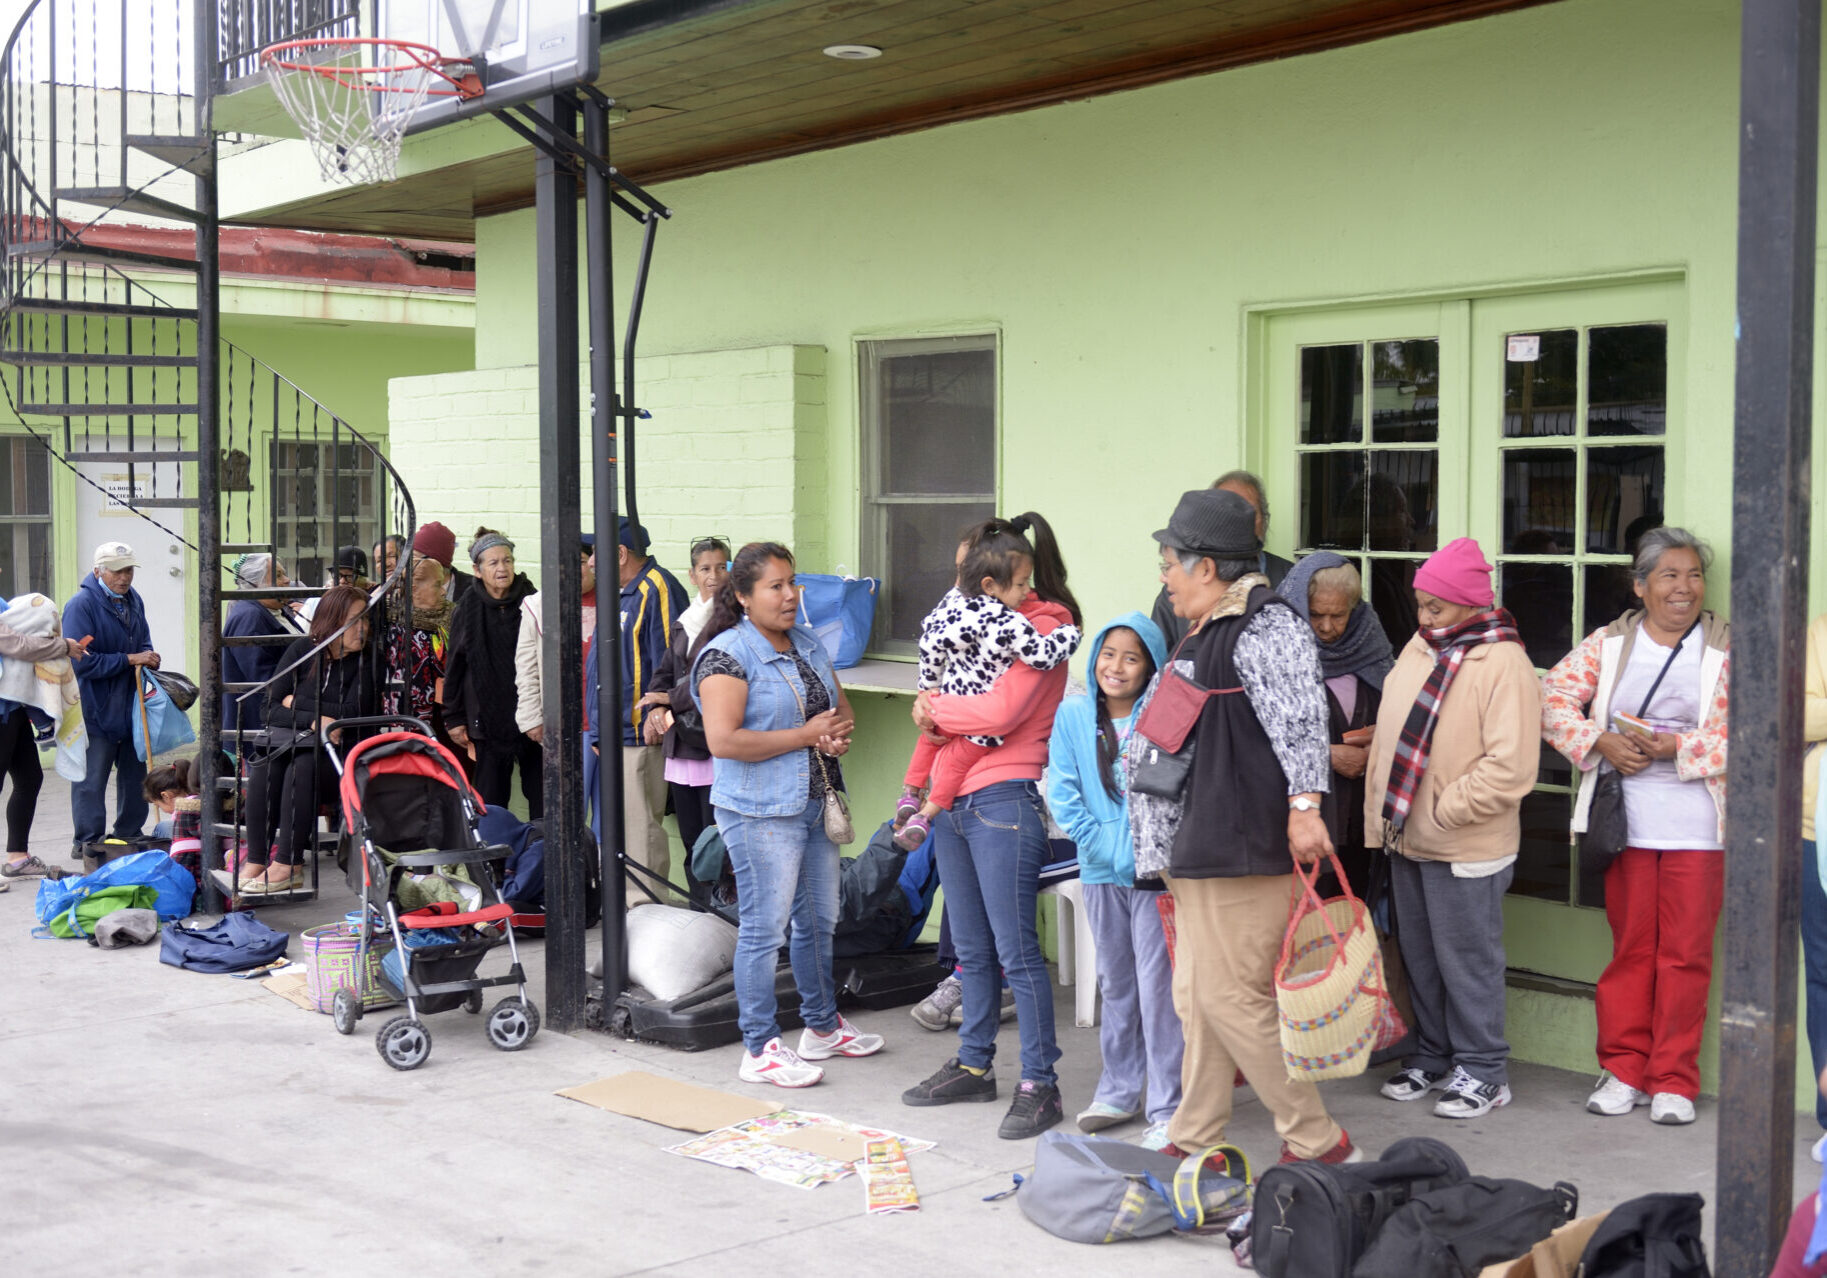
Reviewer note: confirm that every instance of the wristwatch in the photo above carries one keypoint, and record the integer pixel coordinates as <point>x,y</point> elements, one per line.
<point>1301,803</point>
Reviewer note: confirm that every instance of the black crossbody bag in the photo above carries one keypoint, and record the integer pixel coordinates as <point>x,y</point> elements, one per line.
<point>1607,828</point>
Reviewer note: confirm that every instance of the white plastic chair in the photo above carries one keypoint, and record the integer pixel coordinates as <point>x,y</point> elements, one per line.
<point>1076,948</point>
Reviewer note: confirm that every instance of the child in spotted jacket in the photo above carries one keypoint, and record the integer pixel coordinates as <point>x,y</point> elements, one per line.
<point>970,640</point>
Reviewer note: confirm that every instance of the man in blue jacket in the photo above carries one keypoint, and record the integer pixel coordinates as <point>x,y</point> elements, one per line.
<point>652,599</point>
<point>107,607</point>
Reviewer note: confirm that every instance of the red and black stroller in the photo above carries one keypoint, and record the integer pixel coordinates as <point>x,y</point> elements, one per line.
<point>409,818</point>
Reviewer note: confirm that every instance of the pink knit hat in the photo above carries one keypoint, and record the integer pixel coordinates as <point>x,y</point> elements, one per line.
<point>1457,573</point>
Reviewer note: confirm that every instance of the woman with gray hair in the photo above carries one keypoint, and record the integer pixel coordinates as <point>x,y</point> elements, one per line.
<point>480,694</point>
<point>1645,697</point>
<point>1326,590</point>
<point>258,623</point>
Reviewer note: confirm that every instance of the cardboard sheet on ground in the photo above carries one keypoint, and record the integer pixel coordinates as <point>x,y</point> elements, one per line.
<point>791,1148</point>
<point>669,1102</point>
<point>293,988</point>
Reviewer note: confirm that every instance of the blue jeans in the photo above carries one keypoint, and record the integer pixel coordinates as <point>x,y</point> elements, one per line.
<point>990,848</point>
<point>89,796</point>
<point>786,872</point>
<point>1814,965</point>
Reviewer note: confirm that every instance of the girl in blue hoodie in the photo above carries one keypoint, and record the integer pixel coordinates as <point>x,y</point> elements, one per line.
<point>1088,794</point>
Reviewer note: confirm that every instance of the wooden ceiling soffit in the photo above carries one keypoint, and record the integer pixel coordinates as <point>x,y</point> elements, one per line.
<point>706,79</point>
<point>1350,24</point>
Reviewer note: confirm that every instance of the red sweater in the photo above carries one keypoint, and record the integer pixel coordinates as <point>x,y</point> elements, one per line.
<point>1019,709</point>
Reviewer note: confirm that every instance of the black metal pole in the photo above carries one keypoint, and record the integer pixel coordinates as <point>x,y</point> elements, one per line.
<point>603,433</point>
<point>209,487</point>
<point>561,643</point>
<point>650,223</point>
<point>1778,127</point>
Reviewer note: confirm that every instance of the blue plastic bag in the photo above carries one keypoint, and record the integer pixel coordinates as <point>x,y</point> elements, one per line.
<point>174,884</point>
<point>392,962</point>
<point>159,725</point>
<point>840,611</point>
<point>238,942</point>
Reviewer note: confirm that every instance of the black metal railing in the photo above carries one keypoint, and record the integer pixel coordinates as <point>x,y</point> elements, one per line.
<point>99,143</point>
<point>248,26</point>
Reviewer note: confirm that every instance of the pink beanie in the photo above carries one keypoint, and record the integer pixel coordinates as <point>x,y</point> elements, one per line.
<point>1457,573</point>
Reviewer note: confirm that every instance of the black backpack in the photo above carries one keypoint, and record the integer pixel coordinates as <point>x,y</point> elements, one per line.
<point>1313,1220</point>
<point>1456,1231</point>
<point>1656,1234</point>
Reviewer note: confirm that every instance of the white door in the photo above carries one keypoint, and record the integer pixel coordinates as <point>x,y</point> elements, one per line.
<point>161,579</point>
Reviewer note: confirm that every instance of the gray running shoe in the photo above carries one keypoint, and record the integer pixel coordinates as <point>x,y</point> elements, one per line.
<point>936,1010</point>
<point>1002,1014</point>
<point>30,868</point>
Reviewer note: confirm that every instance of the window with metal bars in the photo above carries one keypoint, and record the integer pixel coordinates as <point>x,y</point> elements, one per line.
<point>929,470</point>
<point>25,517</point>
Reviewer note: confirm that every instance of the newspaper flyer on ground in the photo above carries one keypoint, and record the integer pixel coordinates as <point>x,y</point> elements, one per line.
<point>756,1145</point>
<point>888,1183</point>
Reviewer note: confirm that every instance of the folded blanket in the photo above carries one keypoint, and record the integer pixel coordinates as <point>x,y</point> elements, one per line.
<point>46,687</point>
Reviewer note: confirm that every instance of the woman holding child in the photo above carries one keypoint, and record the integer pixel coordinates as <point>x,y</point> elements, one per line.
<point>992,842</point>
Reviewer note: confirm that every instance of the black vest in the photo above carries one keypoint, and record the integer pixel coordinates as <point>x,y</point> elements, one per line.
<point>1236,821</point>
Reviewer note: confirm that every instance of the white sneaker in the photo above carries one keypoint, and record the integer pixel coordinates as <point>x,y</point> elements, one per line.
<point>1155,1137</point>
<point>1671,1109</point>
<point>845,1040</point>
<point>779,1066</point>
<point>1466,1097</point>
<point>1613,1097</point>
<point>1820,1147</point>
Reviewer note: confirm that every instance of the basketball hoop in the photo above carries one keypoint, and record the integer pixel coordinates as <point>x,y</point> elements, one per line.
<point>354,98</point>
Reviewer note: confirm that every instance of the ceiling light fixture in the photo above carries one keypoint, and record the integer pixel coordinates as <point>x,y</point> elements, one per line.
<point>852,52</point>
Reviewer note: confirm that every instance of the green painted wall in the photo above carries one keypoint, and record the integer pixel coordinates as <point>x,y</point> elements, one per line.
<point>1122,247</point>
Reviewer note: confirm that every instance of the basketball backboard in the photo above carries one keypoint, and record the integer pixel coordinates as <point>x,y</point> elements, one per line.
<point>523,49</point>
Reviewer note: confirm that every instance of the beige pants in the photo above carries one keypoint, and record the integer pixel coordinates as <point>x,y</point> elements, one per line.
<point>1229,936</point>
<point>643,805</point>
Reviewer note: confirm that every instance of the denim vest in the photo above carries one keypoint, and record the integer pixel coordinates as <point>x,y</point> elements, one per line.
<point>774,787</point>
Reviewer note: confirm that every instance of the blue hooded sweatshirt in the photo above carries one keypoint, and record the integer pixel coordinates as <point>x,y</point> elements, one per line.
<point>1076,795</point>
<point>108,684</point>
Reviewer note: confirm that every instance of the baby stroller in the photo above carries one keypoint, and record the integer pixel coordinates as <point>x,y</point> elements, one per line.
<point>410,818</point>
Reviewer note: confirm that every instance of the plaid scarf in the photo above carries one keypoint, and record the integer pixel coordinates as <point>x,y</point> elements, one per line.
<point>1409,762</point>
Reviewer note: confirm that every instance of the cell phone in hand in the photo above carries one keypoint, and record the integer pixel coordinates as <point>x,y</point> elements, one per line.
<point>1359,737</point>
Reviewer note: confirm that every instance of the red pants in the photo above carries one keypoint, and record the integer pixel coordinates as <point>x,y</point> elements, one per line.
<point>1663,907</point>
<point>943,768</point>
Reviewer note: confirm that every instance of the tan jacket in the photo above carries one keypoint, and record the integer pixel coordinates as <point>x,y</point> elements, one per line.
<point>1814,721</point>
<point>1483,761</point>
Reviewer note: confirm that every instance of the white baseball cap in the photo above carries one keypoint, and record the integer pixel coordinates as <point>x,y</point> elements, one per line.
<point>112,556</point>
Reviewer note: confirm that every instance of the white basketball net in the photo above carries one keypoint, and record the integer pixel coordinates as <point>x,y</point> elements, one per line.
<point>353,99</point>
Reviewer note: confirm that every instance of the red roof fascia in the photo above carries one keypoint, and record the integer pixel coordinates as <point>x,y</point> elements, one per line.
<point>283,253</point>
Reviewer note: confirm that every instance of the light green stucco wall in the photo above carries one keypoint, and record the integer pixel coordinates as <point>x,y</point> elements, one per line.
<point>1120,246</point>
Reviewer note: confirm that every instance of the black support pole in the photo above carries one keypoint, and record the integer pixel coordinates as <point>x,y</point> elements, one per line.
<point>561,643</point>
<point>209,488</point>
<point>1778,127</point>
<point>604,426</point>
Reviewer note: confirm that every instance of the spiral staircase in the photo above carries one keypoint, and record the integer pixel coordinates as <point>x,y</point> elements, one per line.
<point>110,347</point>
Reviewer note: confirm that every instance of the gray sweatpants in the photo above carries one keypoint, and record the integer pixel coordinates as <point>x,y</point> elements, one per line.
<point>1451,932</point>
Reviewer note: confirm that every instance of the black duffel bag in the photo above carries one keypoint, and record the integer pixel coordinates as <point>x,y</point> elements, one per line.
<point>1313,1220</point>
<point>1456,1231</point>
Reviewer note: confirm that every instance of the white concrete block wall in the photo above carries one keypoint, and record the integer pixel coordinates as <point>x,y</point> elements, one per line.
<point>735,448</point>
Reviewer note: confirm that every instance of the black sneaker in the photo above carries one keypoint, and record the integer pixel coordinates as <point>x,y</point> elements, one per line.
<point>1036,1107</point>
<point>955,1083</point>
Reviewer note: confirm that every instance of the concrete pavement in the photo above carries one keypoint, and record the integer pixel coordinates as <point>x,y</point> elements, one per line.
<point>157,1121</point>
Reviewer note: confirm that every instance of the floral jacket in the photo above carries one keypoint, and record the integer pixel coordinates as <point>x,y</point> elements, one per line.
<point>1576,703</point>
